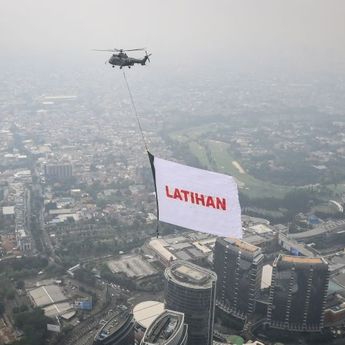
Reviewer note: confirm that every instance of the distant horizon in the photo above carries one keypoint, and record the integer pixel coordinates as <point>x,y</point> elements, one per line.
<point>298,35</point>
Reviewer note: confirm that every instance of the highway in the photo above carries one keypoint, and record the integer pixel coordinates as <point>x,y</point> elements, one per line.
<point>327,227</point>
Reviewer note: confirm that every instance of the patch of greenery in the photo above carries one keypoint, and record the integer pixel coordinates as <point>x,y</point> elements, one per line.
<point>34,326</point>
<point>18,269</point>
<point>220,156</point>
<point>85,277</point>
<point>7,290</point>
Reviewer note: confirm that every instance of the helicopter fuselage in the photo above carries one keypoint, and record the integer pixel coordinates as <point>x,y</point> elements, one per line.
<point>123,60</point>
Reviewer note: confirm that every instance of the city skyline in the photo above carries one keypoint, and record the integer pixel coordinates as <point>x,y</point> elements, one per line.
<point>101,245</point>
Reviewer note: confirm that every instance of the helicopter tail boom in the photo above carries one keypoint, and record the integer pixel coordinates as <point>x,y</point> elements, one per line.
<point>147,57</point>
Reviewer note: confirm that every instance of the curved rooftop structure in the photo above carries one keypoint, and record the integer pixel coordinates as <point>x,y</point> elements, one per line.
<point>189,275</point>
<point>146,312</point>
<point>168,329</point>
<point>119,330</point>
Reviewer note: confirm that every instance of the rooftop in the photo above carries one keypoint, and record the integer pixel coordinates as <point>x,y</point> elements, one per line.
<point>299,259</point>
<point>243,245</point>
<point>114,324</point>
<point>61,309</point>
<point>8,210</point>
<point>47,295</point>
<point>287,242</point>
<point>159,246</point>
<point>190,275</point>
<point>146,312</point>
<point>166,327</point>
<point>51,299</point>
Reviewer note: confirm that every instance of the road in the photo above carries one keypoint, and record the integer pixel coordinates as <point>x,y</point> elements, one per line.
<point>84,333</point>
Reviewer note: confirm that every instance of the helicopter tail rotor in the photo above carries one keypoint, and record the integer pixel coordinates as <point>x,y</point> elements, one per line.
<point>147,56</point>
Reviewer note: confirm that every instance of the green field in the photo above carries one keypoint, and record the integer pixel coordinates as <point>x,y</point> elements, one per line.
<point>222,161</point>
<point>216,156</point>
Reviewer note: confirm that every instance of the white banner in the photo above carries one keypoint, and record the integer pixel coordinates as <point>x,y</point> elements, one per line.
<point>197,199</point>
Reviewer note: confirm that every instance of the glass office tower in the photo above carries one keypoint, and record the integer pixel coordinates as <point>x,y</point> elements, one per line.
<point>191,289</point>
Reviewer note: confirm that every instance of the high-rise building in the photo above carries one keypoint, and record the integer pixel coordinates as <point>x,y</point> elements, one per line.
<point>58,171</point>
<point>239,268</point>
<point>144,314</point>
<point>119,330</point>
<point>167,329</point>
<point>298,293</point>
<point>191,289</point>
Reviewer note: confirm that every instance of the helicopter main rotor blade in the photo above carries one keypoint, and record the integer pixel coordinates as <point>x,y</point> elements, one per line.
<point>133,50</point>
<point>118,50</point>
<point>105,50</point>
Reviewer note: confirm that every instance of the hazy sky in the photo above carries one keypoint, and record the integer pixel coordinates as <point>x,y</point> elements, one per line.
<point>302,33</point>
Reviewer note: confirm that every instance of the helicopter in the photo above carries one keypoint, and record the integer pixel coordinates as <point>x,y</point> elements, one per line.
<point>122,59</point>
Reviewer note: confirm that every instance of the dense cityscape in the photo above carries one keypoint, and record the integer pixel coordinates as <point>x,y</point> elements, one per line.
<point>172,173</point>
<point>79,251</point>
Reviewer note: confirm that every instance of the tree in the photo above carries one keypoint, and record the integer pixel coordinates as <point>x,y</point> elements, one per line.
<point>85,277</point>
<point>20,284</point>
<point>298,200</point>
<point>2,308</point>
<point>34,325</point>
<point>106,273</point>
